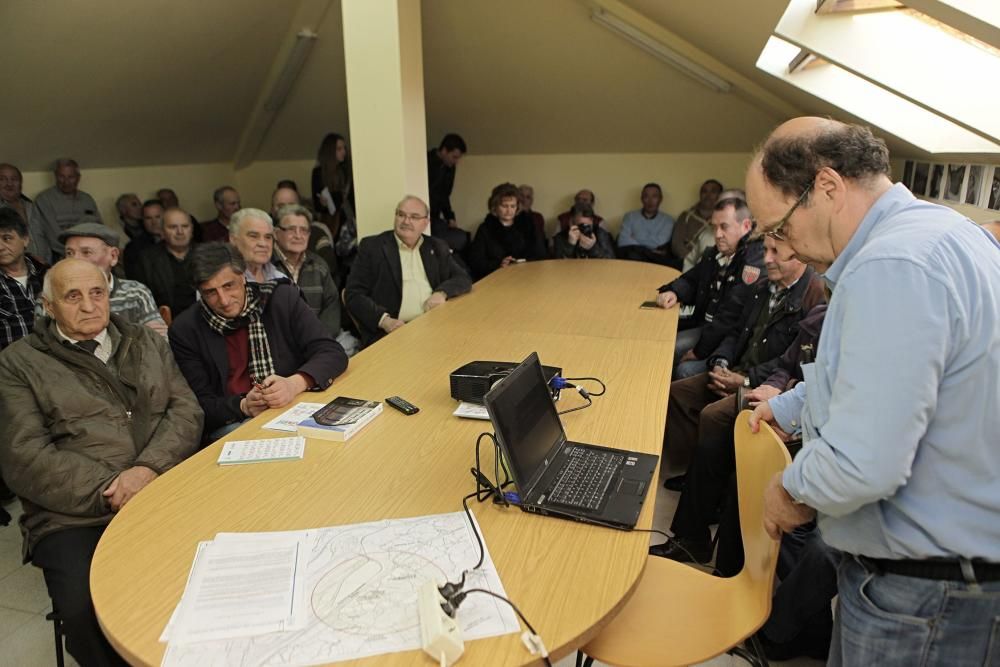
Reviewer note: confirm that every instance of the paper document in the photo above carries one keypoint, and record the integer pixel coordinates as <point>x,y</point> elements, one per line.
<point>289,419</point>
<point>471,411</point>
<point>256,451</point>
<point>361,583</point>
<point>243,588</point>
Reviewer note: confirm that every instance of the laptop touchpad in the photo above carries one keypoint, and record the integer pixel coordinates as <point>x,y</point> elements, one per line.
<point>632,487</point>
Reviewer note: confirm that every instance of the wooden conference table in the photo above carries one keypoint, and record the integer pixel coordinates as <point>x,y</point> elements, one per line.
<point>568,578</point>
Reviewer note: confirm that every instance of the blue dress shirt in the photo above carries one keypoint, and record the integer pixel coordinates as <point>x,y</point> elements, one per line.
<point>900,413</point>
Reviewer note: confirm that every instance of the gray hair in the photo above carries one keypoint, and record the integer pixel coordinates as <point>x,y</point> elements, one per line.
<point>121,200</point>
<point>291,209</point>
<point>245,214</point>
<point>427,210</point>
<point>47,286</point>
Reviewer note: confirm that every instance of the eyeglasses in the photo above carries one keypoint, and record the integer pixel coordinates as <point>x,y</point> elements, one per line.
<point>776,232</point>
<point>295,229</point>
<point>412,217</point>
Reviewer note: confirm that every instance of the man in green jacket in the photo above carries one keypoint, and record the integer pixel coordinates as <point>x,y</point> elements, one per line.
<point>92,409</point>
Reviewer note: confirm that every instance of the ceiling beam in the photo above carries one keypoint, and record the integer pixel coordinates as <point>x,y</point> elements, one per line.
<point>743,87</point>
<point>984,25</point>
<point>288,63</point>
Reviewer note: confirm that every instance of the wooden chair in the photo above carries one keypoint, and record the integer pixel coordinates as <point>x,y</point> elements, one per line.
<point>165,314</point>
<point>680,615</point>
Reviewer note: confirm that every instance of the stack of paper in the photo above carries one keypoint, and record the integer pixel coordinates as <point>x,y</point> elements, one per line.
<point>327,594</point>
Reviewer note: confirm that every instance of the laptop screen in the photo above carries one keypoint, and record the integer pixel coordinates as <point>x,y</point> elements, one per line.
<point>525,420</point>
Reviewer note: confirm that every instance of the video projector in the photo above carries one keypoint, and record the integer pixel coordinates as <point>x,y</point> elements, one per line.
<point>471,382</point>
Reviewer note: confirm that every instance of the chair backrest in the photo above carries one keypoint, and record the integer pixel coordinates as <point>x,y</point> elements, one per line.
<point>758,457</point>
<point>165,314</point>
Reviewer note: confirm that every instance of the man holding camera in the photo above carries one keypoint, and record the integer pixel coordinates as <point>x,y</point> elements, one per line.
<point>583,239</point>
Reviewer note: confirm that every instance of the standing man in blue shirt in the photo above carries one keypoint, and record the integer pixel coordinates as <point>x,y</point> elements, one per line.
<point>646,232</point>
<point>900,414</point>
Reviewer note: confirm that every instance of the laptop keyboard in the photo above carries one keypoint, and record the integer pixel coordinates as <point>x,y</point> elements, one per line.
<point>584,478</point>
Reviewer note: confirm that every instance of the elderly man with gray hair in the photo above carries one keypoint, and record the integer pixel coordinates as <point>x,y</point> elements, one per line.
<point>251,231</point>
<point>400,274</point>
<point>306,269</point>
<point>92,409</point>
<point>64,204</point>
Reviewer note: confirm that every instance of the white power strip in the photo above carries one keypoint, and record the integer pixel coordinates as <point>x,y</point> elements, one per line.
<point>440,636</point>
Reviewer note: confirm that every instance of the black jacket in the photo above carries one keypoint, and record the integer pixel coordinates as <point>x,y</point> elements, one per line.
<point>132,257</point>
<point>375,284</point>
<point>299,342</point>
<point>696,287</point>
<point>789,370</point>
<point>603,249</point>
<point>440,181</point>
<point>156,266</point>
<point>493,242</point>
<point>781,330</point>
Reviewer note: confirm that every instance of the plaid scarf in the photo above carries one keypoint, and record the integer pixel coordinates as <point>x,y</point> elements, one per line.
<point>261,364</point>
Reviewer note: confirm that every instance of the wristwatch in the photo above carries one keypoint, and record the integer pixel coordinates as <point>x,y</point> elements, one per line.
<point>746,382</point>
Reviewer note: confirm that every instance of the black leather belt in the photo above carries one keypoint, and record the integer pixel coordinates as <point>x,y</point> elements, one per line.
<point>934,568</point>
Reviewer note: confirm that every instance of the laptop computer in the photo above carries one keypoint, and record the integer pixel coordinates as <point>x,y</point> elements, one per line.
<point>554,476</point>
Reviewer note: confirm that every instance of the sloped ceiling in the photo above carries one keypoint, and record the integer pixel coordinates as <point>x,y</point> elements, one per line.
<point>131,83</point>
<point>174,81</point>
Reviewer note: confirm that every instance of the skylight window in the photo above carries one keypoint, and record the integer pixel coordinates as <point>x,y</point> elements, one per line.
<point>910,74</point>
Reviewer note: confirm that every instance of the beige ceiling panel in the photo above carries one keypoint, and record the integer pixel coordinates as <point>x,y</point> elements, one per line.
<point>523,77</point>
<point>132,83</point>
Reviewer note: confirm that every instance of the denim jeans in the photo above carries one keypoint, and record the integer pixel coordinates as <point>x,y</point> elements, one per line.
<point>686,340</point>
<point>888,620</point>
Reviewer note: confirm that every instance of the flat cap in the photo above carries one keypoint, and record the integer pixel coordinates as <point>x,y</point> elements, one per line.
<point>92,229</point>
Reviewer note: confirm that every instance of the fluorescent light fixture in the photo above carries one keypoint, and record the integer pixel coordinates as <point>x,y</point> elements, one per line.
<point>294,62</point>
<point>658,49</point>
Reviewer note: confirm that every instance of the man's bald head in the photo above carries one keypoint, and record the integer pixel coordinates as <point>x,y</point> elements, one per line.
<point>75,295</point>
<point>799,148</point>
<point>993,228</point>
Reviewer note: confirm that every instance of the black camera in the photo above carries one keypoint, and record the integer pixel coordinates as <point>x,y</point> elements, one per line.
<point>586,230</point>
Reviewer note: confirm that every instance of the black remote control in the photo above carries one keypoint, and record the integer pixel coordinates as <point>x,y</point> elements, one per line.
<point>403,406</point>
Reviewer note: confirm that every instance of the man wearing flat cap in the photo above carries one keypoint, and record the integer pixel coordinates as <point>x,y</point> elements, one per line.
<point>131,300</point>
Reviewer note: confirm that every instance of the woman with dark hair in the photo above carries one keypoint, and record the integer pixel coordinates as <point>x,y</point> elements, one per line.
<point>333,198</point>
<point>503,238</point>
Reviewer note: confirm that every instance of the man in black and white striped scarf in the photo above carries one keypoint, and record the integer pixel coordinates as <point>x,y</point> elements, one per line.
<point>261,364</point>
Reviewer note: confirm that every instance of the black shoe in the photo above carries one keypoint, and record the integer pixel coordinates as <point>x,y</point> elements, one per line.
<point>676,483</point>
<point>4,517</point>
<point>683,550</point>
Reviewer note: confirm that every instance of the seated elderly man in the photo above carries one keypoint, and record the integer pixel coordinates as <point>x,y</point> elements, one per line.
<point>20,279</point>
<point>131,300</point>
<point>167,265</point>
<point>306,268</point>
<point>584,239</point>
<point>251,231</point>
<point>246,347</point>
<point>92,409</point>
<point>400,274</point>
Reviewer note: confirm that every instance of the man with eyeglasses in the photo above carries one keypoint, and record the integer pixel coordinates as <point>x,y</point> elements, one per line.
<point>245,346</point>
<point>400,274</point>
<point>718,286</point>
<point>306,269</point>
<point>900,412</point>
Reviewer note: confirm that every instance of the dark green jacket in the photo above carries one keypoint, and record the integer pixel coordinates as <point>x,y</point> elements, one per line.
<point>69,423</point>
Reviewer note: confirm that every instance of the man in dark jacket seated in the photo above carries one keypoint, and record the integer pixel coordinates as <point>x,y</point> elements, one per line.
<point>768,323</point>
<point>92,409</point>
<point>401,274</point>
<point>709,476</point>
<point>726,273</point>
<point>246,347</point>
